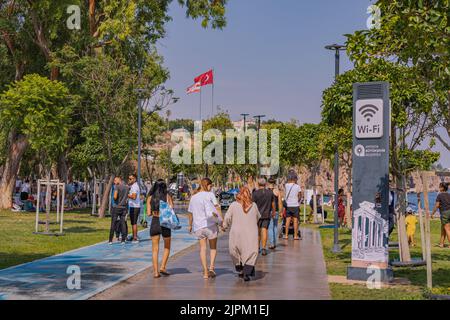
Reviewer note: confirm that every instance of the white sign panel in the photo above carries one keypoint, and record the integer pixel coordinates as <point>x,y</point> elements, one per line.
<point>369,118</point>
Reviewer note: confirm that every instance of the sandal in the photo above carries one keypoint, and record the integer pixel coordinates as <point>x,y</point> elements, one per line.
<point>212,273</point>
<point>164,272</point>
<point>156,276</point>
<point>296,238</point>
<point>206,276</point>
<point>286,237</point>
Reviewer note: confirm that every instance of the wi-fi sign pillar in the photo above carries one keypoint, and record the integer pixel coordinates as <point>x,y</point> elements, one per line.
<point>370,189</point>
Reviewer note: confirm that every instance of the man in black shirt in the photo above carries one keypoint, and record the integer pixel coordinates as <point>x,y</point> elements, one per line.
<point>119,209</point>
<point>265,200</point>
<point>443,204</point>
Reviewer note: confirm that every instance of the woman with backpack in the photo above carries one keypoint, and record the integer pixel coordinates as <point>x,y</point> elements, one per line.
<point>159,193</point>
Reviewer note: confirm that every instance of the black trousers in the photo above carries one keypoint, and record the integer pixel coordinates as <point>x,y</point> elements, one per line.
<point>246,269</point>
<point>118,223</point>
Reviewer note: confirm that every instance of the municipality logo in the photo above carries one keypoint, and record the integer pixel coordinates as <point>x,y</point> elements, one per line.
<point>360,151</point>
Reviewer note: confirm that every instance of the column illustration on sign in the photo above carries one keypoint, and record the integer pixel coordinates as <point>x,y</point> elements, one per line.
<point>370,233</point>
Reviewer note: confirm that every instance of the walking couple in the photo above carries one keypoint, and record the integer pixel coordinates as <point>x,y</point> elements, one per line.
<point>241,218</point>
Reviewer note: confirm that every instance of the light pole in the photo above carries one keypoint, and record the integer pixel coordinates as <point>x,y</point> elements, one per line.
<point>336,249</point>
<point>258,117</point>
<point>140,103</point>
<point>168,113</point>
<point>245,115</point>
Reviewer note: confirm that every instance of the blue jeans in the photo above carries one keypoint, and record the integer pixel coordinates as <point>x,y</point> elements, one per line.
<point>274,230</point>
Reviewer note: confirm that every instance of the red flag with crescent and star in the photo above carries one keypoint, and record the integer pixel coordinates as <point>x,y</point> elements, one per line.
<point>205,79</point>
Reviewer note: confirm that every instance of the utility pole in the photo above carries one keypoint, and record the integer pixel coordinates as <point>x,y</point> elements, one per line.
<point>336,249</point>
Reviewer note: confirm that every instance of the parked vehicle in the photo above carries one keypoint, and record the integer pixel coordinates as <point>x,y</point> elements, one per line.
<point>226,199</point>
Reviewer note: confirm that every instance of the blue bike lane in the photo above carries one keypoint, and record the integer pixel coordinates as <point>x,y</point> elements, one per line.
<point>101,266</point>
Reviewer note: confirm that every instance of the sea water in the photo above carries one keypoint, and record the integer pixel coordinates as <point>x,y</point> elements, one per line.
<point>412,200</point>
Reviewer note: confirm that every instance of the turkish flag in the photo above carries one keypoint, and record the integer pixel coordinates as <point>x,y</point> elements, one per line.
<point>205,79</point>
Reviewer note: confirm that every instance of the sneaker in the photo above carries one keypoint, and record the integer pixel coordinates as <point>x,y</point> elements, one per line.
<point>135,242</point>
<point>122,242</point>
<point>110,243</point>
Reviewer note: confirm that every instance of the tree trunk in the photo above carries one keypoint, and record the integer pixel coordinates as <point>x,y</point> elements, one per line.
<point>92,23</point>
<point>348,212</point>
<point>17,147</point>
<point>401,226</point>
<point>63,170</point>
<point>48,202</point>
<point>105,197</point>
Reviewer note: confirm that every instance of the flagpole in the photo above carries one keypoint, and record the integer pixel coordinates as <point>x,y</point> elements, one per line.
<point>212,103</point>
<point>200,103</point>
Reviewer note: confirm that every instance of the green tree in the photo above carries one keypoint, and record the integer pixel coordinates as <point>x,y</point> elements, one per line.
<point>34,112</point>
<point>414,33</point>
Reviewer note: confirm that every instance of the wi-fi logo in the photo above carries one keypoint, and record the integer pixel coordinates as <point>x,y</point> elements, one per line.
<point>368,111</point>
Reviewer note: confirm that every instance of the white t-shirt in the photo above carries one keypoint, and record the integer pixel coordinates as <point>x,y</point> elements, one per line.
<point>291,195</point>
<point>136,203</point>
<point>25,188</point>
<point>202,205</point>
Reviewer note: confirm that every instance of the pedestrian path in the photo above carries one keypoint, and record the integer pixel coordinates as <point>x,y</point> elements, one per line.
<point>101,266</point>
<point>295,270</point>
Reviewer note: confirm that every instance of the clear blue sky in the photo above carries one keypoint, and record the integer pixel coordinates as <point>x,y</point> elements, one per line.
<point>270,59</point>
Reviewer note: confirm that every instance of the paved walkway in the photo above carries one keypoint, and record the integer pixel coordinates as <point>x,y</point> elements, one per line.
<point>295,270</point>
<point>101,266</point>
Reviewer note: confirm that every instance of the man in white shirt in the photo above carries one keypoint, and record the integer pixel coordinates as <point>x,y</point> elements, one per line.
<point>293,195</point>
<point>134,202</point>
<point>25,190</point>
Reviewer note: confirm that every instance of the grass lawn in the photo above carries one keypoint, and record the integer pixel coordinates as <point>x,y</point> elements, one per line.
<point>20,245</point>
<point>337,265</point>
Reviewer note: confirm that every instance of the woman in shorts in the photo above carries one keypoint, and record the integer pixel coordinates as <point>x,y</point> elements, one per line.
<point>157,193</point>
<point>203,221</point>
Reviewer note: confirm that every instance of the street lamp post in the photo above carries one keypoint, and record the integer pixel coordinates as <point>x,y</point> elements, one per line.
<point>336,249</point>
<point>258,117</point>
<point>245,115</point>
<point>140,103</point>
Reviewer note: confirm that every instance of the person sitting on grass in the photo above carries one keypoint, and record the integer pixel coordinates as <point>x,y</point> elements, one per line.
<point>410,222</point>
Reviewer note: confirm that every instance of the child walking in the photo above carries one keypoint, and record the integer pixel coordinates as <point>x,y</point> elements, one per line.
<point>411,222</point>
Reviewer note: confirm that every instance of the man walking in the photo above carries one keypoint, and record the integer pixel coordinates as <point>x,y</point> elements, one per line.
<point>119,210</point>
<point>134,202</point>
<point>265,200</point>
<point>292,201</point>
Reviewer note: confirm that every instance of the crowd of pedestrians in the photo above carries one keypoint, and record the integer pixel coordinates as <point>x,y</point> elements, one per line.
<point>254,221</point>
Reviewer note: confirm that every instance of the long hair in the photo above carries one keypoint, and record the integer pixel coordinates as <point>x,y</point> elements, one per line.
<point>204,184</point>
<point>159,191</point>
<point>244,197</point>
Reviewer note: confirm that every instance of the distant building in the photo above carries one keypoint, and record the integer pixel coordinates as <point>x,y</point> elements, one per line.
<point>239,125</point>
